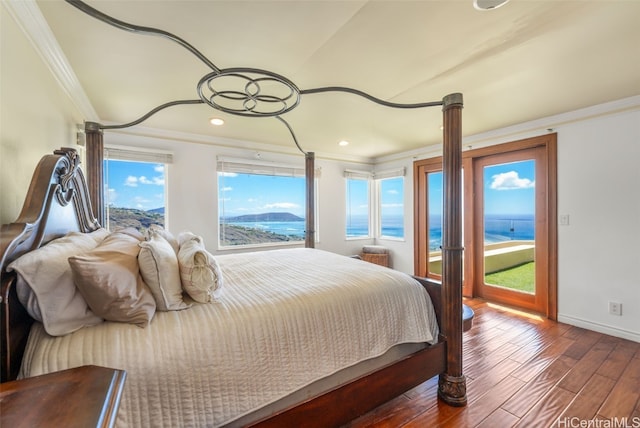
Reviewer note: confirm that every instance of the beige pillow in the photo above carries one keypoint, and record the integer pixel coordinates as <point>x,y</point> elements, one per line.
<point>159,269</point>
<point>45,283</point>
<point>109,279</point>
<point>199,271</point>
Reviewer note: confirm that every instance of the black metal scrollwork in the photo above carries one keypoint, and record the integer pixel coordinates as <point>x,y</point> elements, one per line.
<point>249,92</point>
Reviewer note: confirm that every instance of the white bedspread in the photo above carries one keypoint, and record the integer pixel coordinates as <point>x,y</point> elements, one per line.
<point>285,319</point>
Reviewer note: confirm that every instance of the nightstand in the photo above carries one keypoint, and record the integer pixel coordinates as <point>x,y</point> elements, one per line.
<point>87,396</point>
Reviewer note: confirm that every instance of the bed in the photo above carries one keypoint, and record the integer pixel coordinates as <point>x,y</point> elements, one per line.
<point>292,337</point>
<point>175,374</point>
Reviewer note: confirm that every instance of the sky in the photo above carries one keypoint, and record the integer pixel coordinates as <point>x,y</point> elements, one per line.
<point>509,189</point>
<point>134,184</point>
<point>255,194</point>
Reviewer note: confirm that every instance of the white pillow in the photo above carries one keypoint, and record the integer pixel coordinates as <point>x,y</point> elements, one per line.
<point>199,271</point>
<point>45,283</point>
<point>159,269</point>
<point>156,229</point>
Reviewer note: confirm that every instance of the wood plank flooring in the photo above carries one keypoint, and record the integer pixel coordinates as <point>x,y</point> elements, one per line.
<point>526,371</point>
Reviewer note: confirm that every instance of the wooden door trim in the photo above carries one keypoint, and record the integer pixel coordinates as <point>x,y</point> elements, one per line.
<point>537,301</point>
<point>549,143</point>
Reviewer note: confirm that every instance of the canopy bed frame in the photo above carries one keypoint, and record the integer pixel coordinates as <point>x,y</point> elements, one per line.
<point>59,200</point>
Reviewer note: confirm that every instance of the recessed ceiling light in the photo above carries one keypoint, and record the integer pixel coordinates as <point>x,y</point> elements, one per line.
<point>343,143</point>
<point>488,4</point>
<point>216,121</point>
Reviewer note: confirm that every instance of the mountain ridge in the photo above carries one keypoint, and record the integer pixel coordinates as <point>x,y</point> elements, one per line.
<point>274,216</point>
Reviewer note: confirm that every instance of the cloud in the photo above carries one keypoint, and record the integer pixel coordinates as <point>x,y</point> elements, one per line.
<point>391,205</point>
<point>131,181</point>
<point>510,181</point>
<point>159,168</point>
<point>227,174</point>
<point>226,189</point>
<point>392,192</point>
<point>158,180</point>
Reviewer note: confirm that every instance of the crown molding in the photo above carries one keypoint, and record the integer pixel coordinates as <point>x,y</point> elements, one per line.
<point>29,18</point>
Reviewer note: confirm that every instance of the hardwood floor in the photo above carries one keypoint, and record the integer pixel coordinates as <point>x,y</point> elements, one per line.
<point>527,371</point>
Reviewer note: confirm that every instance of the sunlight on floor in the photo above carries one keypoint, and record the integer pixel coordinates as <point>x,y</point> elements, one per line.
<point>516,311</point>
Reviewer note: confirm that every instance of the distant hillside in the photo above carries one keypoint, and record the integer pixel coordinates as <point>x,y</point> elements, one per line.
<point>138,219</point>
<point>230,234</point>
<point>263,217</point>
<point>157,210</point>
<point>238,235</point>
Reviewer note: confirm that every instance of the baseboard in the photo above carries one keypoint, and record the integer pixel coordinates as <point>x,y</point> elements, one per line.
<point>600,328</point>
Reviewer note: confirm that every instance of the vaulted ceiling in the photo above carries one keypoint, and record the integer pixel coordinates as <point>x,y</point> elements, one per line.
<point>520,62</point>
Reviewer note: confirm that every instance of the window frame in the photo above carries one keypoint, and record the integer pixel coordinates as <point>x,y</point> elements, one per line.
<point>267,169</point>
<point>379,178</point>
<point>371,225</point>
<point>138,155</point>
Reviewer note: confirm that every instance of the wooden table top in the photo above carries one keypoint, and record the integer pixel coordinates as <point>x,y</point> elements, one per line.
<point>87,396</point>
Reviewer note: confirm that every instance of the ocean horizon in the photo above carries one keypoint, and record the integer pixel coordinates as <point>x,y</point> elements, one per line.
<point>498,228</point>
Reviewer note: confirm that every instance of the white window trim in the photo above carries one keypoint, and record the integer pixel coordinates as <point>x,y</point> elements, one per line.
<point>364,176</point>
<point>137,154</point>
<point>259,167</point>
<point>378,194</point>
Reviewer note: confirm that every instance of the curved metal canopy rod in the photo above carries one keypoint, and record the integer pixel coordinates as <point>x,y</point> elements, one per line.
<point>151,113</point>
<point>293,135</point>
<point>251,100</point>
<point>140,29</point>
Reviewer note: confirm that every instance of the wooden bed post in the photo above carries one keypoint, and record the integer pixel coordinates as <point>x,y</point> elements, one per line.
<point>94,169</point>
<point>310,232</point>
<point>452,386</point>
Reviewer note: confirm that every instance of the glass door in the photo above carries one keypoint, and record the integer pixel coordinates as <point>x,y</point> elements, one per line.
<point>510,226</point>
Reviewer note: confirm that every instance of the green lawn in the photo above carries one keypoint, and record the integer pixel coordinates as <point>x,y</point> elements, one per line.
<point>520,278</point>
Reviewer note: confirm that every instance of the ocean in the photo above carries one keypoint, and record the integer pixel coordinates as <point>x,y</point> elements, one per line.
<point>393,227</point>
<point>498,228</point>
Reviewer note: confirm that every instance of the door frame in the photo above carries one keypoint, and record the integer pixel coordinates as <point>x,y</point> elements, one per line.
<point>538,300</point>
<point>546,143</point>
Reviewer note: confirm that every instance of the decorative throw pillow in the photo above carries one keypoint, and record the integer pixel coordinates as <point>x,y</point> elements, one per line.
<point>159,269</point>
<point>45,283</point>
<point>199,271</point>
<point>109,279</point>
<point>156,229</point>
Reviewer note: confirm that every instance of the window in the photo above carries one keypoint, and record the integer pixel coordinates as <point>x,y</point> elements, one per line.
<point>260,204</point>
<point>391,199</point>
<point>358,213</point>
<point>134,188</point>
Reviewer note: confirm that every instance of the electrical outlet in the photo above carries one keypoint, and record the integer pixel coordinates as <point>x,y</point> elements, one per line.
<point>563,220</point>
<point>615,308</point>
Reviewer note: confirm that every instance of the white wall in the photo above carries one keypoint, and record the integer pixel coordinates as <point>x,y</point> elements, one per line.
<point>192,198</point>
<point>36,116</point>
<point>599,251</point>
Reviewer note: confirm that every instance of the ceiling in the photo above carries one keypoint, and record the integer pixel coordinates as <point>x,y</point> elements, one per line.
<point>520,62</point>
